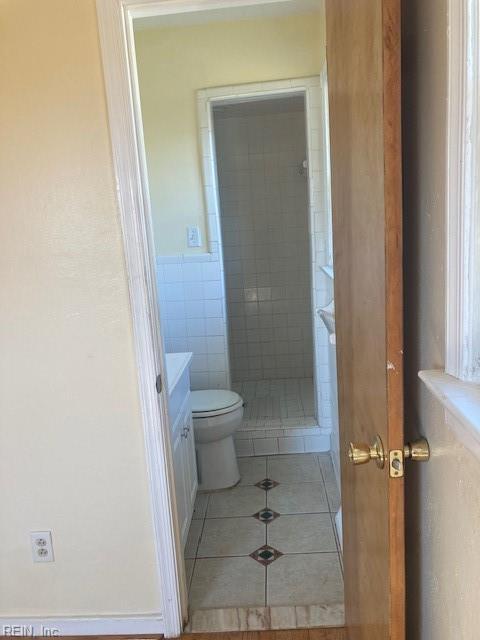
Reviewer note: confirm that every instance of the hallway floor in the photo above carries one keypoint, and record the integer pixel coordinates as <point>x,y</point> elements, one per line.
<point>264,555</point>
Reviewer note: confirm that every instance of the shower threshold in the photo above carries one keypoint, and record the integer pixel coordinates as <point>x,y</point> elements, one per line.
<point>279,418</point>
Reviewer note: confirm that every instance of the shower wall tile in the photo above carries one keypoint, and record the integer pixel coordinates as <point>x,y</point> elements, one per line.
<point>266,244</point>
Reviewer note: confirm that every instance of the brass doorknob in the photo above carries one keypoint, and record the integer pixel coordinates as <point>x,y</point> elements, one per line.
<point>361,453</point>
<point>417,450</point>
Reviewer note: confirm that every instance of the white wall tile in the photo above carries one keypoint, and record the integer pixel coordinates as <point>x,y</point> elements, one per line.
<point>265,446</point>
<point>266,242</point>
<point>291,445</point>
<point>317,443</point>
<point>244,448</point>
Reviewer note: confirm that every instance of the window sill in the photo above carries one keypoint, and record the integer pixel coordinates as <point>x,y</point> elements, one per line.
<point>462,404</point>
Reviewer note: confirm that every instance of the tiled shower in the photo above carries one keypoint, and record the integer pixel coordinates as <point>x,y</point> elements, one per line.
<point>246,309</point>
<point>262,178</point>
<point>263,189</point>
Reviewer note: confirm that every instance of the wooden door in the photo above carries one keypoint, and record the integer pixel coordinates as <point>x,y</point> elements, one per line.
<point>363,54</point>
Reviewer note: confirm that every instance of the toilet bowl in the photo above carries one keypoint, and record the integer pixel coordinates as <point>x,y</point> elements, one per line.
<point>217,414</point>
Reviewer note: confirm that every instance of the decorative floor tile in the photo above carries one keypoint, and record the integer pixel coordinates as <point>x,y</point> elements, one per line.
<point>266,484</point>
<point>293,494</point>
<point>266,555</point>
<point>266,515</point>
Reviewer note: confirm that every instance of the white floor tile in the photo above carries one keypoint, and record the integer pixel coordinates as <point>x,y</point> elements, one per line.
<point>200,507</point>
<point>252,470</point>
<point>330,480</point>
<point>193,538</point>
<point>292,469</point>
<point>227,582</point>
<point>306,533</point>
<point>313,578</point>
<point>309,497</point>
<point>231,537</point>
<point>189,564</point>
<point>239,501</point>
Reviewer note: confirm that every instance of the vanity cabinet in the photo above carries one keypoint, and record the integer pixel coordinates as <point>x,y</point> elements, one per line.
<point>182,438</point>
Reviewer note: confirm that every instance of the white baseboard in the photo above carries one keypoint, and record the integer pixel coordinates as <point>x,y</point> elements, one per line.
<point>83,626</point>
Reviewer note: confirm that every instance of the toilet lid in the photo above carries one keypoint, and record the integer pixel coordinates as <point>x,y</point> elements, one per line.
<point>209,400</point>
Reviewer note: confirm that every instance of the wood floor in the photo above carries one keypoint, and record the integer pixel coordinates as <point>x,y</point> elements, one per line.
<point>294,634</point>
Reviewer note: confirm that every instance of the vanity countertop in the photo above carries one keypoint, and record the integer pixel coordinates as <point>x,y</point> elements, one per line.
<point>176,364</point>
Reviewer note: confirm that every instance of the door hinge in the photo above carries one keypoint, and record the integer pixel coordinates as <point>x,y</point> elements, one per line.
<point>159,383</point>
<point>417,450</point>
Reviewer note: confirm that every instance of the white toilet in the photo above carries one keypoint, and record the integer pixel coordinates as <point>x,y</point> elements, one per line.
<point>217,414</point>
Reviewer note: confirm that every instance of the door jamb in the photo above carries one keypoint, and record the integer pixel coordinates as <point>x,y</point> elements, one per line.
<point>115,24</point>
<point>313,89</point>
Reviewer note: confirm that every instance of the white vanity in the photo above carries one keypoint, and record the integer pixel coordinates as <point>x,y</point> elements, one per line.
<point>182,439</point>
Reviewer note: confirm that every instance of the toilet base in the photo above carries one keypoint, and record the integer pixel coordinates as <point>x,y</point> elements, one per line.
<point>217,465</point>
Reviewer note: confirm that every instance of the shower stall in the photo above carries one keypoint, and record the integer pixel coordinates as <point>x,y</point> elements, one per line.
<point>262,177</point>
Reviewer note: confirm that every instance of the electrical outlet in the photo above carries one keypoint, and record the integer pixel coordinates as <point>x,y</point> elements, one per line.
<point>42,547</point>
<point>194,238</point>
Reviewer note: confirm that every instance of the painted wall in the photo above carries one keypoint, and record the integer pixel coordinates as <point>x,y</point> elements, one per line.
<point>72,452</point>
<point>173,64</point>
<point>443,501</point>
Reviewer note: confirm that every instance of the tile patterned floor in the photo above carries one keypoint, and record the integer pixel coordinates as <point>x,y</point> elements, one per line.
<point>267,548</point>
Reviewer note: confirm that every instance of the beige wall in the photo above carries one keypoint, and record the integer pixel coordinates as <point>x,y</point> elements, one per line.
<point>443,501</point>
<point>173,64</point>
<point>72,457</point>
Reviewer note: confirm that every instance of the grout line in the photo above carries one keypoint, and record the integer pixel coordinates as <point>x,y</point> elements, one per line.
<point>290,513</point>
<point>300,553</point>
<point>266,586</point>
<point>201,532</point>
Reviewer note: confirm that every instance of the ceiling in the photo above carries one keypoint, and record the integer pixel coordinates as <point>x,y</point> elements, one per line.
<point>248,12</point>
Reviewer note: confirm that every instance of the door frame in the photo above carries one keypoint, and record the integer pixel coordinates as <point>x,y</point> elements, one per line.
<point>314,91</point>
<point>115,24</point>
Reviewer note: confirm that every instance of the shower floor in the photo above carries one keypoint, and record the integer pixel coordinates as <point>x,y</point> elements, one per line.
<point>272,402</point>
<point>279,417</point>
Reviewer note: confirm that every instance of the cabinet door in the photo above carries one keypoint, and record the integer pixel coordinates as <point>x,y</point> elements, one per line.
<point>191,479</point>
<point>183,508</point>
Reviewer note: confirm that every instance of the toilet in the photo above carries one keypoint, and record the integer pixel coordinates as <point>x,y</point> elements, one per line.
<point>217,414</point>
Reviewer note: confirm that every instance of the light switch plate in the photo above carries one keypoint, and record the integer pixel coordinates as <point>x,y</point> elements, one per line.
<point>194,238</point>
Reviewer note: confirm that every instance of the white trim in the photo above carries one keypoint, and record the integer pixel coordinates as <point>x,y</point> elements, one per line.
<point>67,626</point>
<point>462,406</point>
<point>462,193</point>
<point>132,191</point>
<point>150,8</point>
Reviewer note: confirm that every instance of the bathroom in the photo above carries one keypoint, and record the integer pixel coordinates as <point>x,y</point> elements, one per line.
<point>236,150</point>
